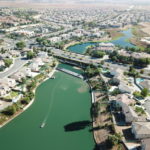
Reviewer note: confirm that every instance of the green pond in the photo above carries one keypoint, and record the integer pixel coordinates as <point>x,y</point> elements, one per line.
<point>63,104</point>
<point>123,41</point>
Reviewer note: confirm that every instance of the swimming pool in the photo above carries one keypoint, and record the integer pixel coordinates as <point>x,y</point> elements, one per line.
<point>139,80</point>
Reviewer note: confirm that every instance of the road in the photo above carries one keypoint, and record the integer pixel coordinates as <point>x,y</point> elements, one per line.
<point>19,62</point>
<point>75,56</point>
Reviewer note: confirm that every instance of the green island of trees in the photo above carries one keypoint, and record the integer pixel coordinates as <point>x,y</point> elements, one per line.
<point>20,45</point>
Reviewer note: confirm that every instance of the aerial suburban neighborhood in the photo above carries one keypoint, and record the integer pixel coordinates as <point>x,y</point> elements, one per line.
<point>74,77</point>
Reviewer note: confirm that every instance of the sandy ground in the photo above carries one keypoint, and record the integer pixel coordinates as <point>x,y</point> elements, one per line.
<point>146,27</point>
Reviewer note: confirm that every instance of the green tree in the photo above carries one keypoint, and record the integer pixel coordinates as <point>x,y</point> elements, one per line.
<point>3,50</point>
<point>95,109</point>
<point>30,55</point>
<point>21,45</point>
<point>98,54</point>
<point>8,62</point>
<point>92,71</point>
<point>114,139</point>
<point>137,94</point>
<point>25,100</point>
<point>10,110</point>
<point>132,72</point>
<point>144,92</point>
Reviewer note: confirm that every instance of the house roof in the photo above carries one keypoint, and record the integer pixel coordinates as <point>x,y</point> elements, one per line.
<point>145,84</point>
<point>116,71</point>
<point>146,144</point>
<point>125,88</point>
<point>128,111</point>
<point>124,98</point>
<point>106,44</point>
<point>6,81</point>
<point>142,127</point>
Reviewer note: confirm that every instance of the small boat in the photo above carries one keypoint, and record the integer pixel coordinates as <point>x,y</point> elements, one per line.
<point>53,77</point>
<point>42,125</point>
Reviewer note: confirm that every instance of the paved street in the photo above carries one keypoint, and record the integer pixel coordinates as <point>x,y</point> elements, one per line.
<point>75,57</point>
<point>147,106</point>
<point>19,62</point>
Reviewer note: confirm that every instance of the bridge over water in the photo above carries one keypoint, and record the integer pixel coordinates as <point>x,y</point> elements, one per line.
<point>74,58</point>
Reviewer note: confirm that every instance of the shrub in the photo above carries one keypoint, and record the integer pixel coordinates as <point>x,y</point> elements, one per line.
<point>144,92</point>
<point>114,139</point>
<point>10,110</point>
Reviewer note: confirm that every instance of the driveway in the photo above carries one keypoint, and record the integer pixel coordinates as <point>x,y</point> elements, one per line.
<point>19,62</point>
<point>147,106</point>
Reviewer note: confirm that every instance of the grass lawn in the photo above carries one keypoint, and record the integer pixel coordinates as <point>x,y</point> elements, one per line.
<point>12,95</point>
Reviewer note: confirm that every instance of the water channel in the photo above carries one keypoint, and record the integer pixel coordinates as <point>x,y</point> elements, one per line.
<point>65,103</point>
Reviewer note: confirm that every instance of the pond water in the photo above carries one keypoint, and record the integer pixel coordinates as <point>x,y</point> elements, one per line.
<point>63,105</point>
<point>122,41</point>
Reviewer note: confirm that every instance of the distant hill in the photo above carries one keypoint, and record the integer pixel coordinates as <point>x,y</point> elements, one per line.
<point>83,1</point>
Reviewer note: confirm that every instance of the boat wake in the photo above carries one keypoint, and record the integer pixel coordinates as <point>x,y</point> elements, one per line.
<point>50,105</point>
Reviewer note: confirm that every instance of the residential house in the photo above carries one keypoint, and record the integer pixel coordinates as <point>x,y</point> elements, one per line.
<point>6,85</point>
<point>8,81</point>
<point>141,130</point>
<point>34,67</point>
<point>18,76</point>
<point>145,144</point>
<point>145,84</point>
<point>2,63</point>
<point>106,45</point>
<point>118,75</point>
<point>25,32</point>
<point>136,55</point>
<point>38,61</point>
<point>43,54</point>
<point>55,39</point>
<point>146,40</point>
<point>129,113</point>
<point>26,71</point>
<point>5,55</point>
<point>115,72</point>
<point>124,88</point>
<point>4,89</point>
<point>65,36</point>
<point>14,53</point>
<point>122,98</point>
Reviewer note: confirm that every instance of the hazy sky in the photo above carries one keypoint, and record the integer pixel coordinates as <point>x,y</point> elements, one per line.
<point>83,1</point>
